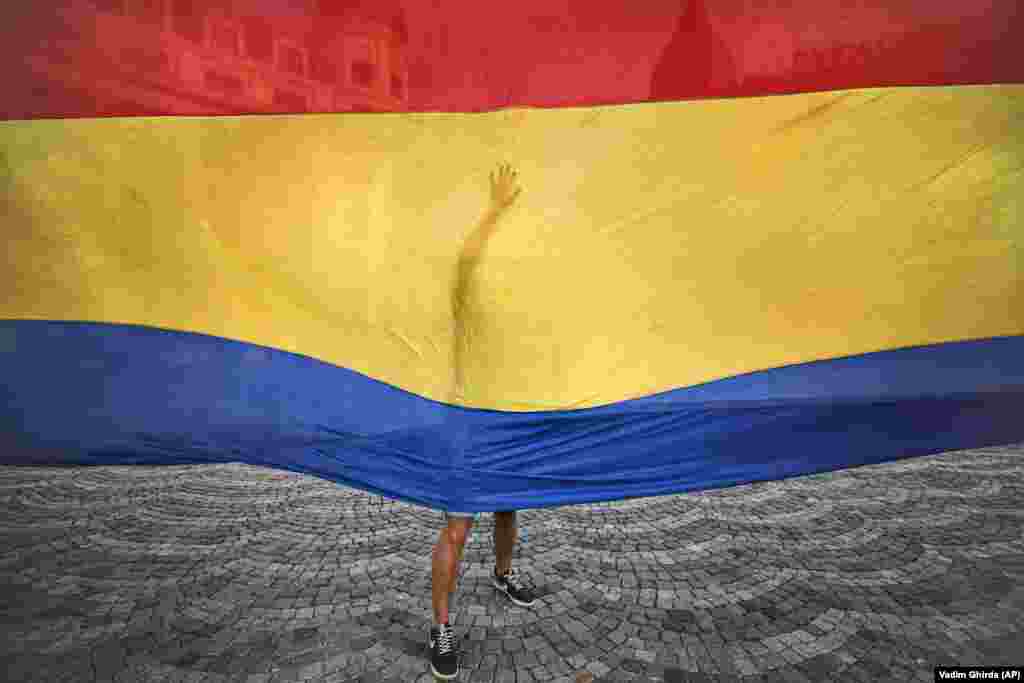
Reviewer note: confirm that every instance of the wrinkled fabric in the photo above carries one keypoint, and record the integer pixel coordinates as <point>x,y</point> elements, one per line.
<point>135,395</point>
<point>698,285</point>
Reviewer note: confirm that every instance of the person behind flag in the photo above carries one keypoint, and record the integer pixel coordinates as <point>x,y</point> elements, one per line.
<point>451,542</point>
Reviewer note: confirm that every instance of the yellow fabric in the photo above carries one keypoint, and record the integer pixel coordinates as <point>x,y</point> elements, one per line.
<point>654,246</point>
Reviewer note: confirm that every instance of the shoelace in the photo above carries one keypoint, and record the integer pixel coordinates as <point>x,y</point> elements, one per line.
<point>513,579</point>
<point>445,640</point>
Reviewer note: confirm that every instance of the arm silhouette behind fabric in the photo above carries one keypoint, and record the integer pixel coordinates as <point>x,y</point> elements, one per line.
<point>504,192</point>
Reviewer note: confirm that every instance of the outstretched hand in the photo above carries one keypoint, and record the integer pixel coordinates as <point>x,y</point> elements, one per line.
<point>504,189</point>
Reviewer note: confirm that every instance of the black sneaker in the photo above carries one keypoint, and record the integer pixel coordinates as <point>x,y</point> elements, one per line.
<point>444,655</point>
<point>511,585</point>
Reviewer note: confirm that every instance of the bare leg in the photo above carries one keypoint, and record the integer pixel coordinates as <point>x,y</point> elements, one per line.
<point>447,553</point>
<point>504,540</point>
<point>455,574</point>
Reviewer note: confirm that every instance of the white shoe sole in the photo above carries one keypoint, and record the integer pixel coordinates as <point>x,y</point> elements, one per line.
<point>442,676</point>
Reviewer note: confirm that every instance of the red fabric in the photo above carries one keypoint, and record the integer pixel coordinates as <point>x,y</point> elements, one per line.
<point>65,58</point>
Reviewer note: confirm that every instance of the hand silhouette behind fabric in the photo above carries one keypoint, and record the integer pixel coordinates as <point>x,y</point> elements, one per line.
<point>504,190</point>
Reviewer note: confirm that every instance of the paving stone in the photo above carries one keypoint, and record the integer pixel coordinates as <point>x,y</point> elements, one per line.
<point>219,573</point>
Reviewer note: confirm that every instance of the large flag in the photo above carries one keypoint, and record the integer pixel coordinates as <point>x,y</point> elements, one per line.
<point>484,257</point>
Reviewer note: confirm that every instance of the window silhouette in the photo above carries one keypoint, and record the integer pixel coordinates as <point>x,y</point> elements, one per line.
<point>291,60</point>
<point>225,38</point>
<point>363,74</point>
<point>322,69</point>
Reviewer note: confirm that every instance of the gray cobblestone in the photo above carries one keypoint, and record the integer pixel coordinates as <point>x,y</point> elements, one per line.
<point>235,573</point>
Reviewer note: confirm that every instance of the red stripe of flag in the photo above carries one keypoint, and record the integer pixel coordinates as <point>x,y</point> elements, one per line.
<point>86,58</point>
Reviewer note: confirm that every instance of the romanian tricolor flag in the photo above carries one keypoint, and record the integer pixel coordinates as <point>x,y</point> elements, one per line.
<point>485,256</point>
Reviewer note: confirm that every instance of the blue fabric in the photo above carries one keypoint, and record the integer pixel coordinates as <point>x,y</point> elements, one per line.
<point>87,393</point>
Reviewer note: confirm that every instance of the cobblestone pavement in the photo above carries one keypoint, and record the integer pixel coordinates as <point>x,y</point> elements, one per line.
<point>239,573</point>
